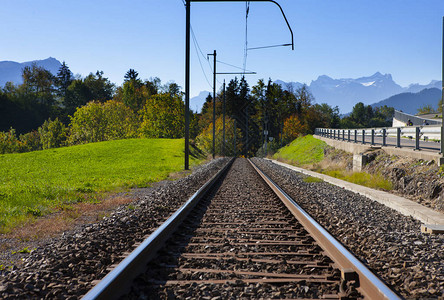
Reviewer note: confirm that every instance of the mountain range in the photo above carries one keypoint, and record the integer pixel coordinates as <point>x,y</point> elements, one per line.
<point>376,90</point>
<point>410,102</point>
<point>12,71</point>
<point>346,92</point>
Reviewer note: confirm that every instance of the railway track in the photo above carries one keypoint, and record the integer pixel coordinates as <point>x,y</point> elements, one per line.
<point>240,239</point>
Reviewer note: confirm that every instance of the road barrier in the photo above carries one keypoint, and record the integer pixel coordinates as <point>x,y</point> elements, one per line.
<point>427,134</point>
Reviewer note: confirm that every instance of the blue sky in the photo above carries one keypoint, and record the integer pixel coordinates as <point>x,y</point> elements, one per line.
<point>341,39</point>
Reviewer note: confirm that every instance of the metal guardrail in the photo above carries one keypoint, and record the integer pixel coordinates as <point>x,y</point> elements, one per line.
<point>425,133</point>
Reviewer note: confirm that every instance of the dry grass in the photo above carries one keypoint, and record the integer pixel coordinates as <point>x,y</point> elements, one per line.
<point>65,219</point>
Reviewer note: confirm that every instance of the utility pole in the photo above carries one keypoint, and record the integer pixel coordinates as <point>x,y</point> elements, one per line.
<point>234,140</point>
<point>223,126</point>
<point>266,134</point>
<point>246,131</point>
<point>214,102</point>
<point>187,84</point>
<point>442,94</point>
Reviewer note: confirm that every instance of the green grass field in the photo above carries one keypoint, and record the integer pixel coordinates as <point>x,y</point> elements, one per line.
<point>308,151</point>
<point>36,183</point>
<point>302,151</point>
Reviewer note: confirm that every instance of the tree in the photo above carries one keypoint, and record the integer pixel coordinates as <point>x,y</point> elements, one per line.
<point>100,87</point>
<point>63,80</point>
<point>52,134</point>
<point>39,84</point>
<point>205,139</point>
<point>426,109</point>
<point>131,75</point>
<point>77,95</point>
<point>162,117</point>
<point>293,127</point>
<point>96,122</point>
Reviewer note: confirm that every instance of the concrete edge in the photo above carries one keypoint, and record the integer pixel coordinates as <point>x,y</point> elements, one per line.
<point>402,205</point>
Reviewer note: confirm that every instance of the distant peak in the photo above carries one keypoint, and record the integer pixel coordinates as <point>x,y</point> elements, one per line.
<point>323,77</point>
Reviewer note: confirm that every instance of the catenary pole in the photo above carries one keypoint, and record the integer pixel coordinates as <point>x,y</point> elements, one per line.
<point>442,92</point>
<point>214,102</point>
<point>187,84</point>
<point>223,123</point>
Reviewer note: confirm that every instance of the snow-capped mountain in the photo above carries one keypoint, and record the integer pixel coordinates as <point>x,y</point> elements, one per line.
<point>346,92</point>
<point>414,88</point>
<point>12,71</point>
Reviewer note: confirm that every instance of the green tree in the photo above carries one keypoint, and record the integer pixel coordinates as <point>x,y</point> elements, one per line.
<point>162,117</point>
<point>77,95</point>
<point>426,109</point>
<point>205,139</point>
<point>52,134</point>
<point>131,75</point>
<point>101,88</point>
<point>39,84</point>
<point>63,80</point>
<point>96,122</point>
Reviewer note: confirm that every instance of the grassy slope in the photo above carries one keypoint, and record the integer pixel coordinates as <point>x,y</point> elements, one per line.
<point>302,151</point>
<point>307,151</point>
<point>34,183</point>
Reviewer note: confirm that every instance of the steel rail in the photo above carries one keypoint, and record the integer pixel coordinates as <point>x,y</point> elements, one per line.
<point>119,280</point>
<point>369,284</point>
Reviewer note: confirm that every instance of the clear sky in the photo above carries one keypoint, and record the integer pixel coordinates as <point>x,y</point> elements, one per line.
<point>341,39</point>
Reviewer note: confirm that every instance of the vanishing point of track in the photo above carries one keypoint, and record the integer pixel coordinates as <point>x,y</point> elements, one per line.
<point>240,240</point>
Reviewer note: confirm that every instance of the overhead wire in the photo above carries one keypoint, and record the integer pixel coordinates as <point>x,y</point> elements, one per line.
<point>199,50</point>
<point>224,63</point>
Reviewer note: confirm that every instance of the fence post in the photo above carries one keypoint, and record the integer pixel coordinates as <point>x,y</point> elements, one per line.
<point>343,134</point>
<point>383,138</point>
<point>398,137</point>
<point>348,136</point>
<point>373,137</point>
<point>356,135</point>
<point>417,138</point>
<point>363,136</point>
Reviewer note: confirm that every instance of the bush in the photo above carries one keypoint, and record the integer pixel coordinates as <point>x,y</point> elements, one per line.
<point>293,128</point>
<point>30,141</point>
<point>162,117</point>
<point>9,142</point>
<point>52,134</point>
<point>96,122</point>
<point>204,140</point>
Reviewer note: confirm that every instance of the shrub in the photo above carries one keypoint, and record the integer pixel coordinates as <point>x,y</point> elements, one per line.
<point>162,117</point>
<point>30,141</point>
<point>96,122</point>
<point>9,142</point>
<point>204,140</point>
<point>293,127</point>
<point>52,134</point>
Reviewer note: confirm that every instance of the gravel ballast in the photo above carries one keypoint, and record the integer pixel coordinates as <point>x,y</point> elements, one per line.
<point>388,242</point>
<point>66,267</point>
